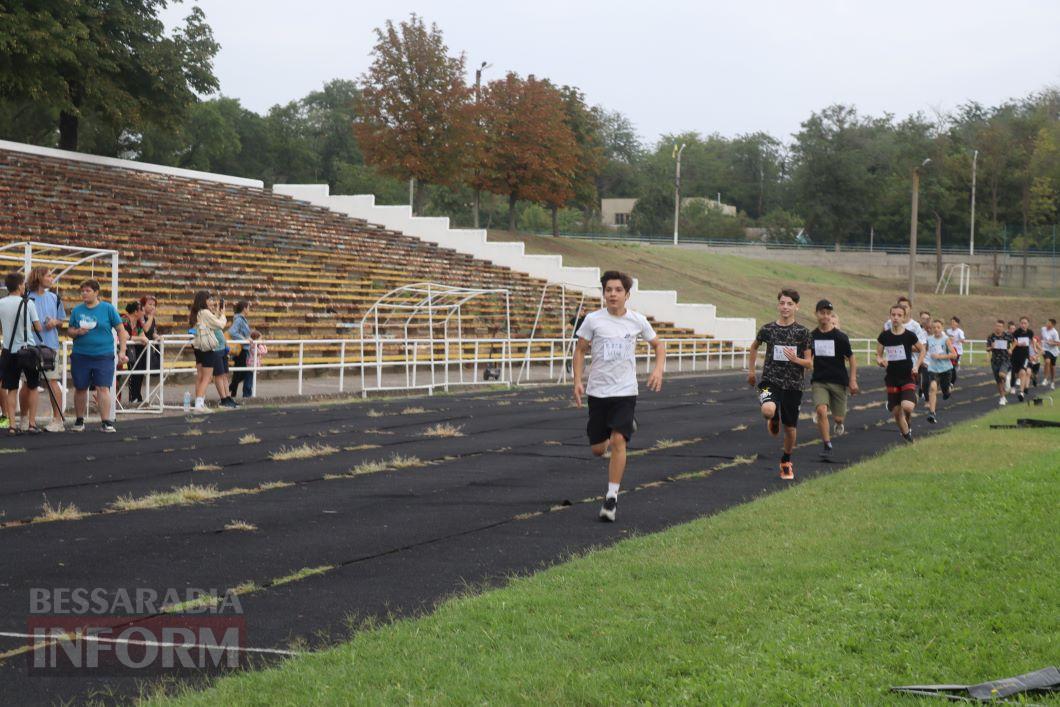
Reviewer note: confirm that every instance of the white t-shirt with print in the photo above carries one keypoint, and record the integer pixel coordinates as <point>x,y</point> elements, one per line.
<point>957,337</point>
<point>613,370</point>
<point>9,311</point>
<point>1051,341</point>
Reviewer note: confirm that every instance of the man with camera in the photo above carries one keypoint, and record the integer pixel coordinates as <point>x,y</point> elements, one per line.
<point>20,357</point>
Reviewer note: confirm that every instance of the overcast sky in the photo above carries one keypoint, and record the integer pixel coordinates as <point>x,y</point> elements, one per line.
<point>726,67</point>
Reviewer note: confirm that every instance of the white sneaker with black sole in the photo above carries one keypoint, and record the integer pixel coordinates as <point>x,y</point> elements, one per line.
<point>607,511</point>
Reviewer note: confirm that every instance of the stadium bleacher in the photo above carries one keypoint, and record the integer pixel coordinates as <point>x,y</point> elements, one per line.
<point>311,273</point>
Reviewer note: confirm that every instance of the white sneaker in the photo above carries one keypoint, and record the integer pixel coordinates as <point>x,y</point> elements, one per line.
<point>201,409</point>
<point>1002,401</point>
<point>1052,385</point>
<point>840,430</point>
<point>814,418</point>
<point>55,426</point>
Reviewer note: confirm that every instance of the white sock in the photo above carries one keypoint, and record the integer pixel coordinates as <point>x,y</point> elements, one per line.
<point>612,490</point>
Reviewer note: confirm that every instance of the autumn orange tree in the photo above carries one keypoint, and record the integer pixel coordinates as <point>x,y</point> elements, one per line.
<point>529,151</point>
<point>416,119</point>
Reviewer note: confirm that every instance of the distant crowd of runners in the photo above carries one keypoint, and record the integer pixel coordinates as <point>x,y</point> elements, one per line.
<point>920,357</point>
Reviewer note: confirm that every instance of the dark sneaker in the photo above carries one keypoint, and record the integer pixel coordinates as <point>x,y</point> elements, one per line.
<point>107,426</point>
<point>774,426</point>
<point>932,419</point>
<point>229,403</point>
<point>787,471</point>
<point>908,436</point>
<point>607,511</point>
<point>1019,396</point>
<point>826,451</point>
<point>79,425</point>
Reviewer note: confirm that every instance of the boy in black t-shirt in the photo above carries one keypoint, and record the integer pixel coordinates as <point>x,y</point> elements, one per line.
<point>1022,341</point>
<point>787,358</point>
<point>999,343</point>
<point>830,382</point>
<point>894,352</point>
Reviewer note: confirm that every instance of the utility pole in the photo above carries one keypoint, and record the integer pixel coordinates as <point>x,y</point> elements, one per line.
<point>971,238</point>
<point>677,188</point>
<point>478,86</point>
<point>912,228</point>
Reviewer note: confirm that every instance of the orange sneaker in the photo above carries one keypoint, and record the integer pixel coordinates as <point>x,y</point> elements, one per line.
<point>787,471</point>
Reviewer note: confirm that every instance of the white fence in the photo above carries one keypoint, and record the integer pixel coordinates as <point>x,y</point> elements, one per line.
<point>401,364</point>
<point>425,364</point>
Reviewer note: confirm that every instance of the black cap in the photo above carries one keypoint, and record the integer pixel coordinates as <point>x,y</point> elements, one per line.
<point>823,304</point>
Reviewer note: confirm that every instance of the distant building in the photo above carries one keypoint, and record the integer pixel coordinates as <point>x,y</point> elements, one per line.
<point>614,213</point>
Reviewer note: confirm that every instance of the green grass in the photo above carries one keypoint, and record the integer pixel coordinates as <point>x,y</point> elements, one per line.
<point>747,287</point>
<point>933,563</point>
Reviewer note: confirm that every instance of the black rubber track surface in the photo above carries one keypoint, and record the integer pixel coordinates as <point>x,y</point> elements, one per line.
<point>517,491</point>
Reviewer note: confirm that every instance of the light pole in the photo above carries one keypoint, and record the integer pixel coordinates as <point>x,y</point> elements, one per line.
<point>677,188</point>
<point>971,237</point>
<point>912,228</point>
<point>478,84</point>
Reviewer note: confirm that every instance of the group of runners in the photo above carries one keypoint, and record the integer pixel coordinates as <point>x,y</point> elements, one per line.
<point>920,357</point>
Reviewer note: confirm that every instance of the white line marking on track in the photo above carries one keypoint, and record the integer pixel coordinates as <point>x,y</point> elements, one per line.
<point>159,644</point>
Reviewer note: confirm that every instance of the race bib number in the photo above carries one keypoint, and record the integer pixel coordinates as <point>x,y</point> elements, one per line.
<point>1023,341</point>
<point>1000,344</point>
<point>778,353</point>
<point>823,347</point>
<point>617,349</point>
<point>894,353</point>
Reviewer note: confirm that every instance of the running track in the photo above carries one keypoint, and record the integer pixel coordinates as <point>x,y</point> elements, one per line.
<point>518,491</point>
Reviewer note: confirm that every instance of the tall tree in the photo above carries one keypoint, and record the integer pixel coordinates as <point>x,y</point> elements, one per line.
<point>417,119</point>
<point>110,60</point>
<point>584,125</point>
<point>532,153</point>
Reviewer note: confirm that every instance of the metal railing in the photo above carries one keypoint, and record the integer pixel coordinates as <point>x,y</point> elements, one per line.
<point>398,364</point>
<point>426,364</point>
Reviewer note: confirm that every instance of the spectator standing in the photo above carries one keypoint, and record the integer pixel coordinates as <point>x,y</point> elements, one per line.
<point>240,331</point>
<point>91,326</point>
<point>137,349</point>
<point>52,313</point>
<point>207,317</point>
<point>18,324</point>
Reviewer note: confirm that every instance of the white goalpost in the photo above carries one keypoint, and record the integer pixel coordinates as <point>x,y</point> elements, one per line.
<point>441,306</point>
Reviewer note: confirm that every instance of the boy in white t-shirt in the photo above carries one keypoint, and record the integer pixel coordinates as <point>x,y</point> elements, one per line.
<point>1050,352</point>
<point>957,338</point>
<point>611,334</point>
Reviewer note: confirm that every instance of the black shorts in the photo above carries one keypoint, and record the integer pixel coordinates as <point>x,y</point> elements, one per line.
<point>607,415</point>
<point>11,371</point>
<point>1020,362</point>
<point>1051,357</point>
<point>899,392</point>
<point>943,379</point>
<point>787,402</point>
<point>212,359</point>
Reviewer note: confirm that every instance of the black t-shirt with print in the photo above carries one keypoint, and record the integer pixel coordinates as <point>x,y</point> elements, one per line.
<point>830,349</point>
<point>999,357</point>
<point>784,375</point>
<point>898,350</point>
<point>1020,353</point>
